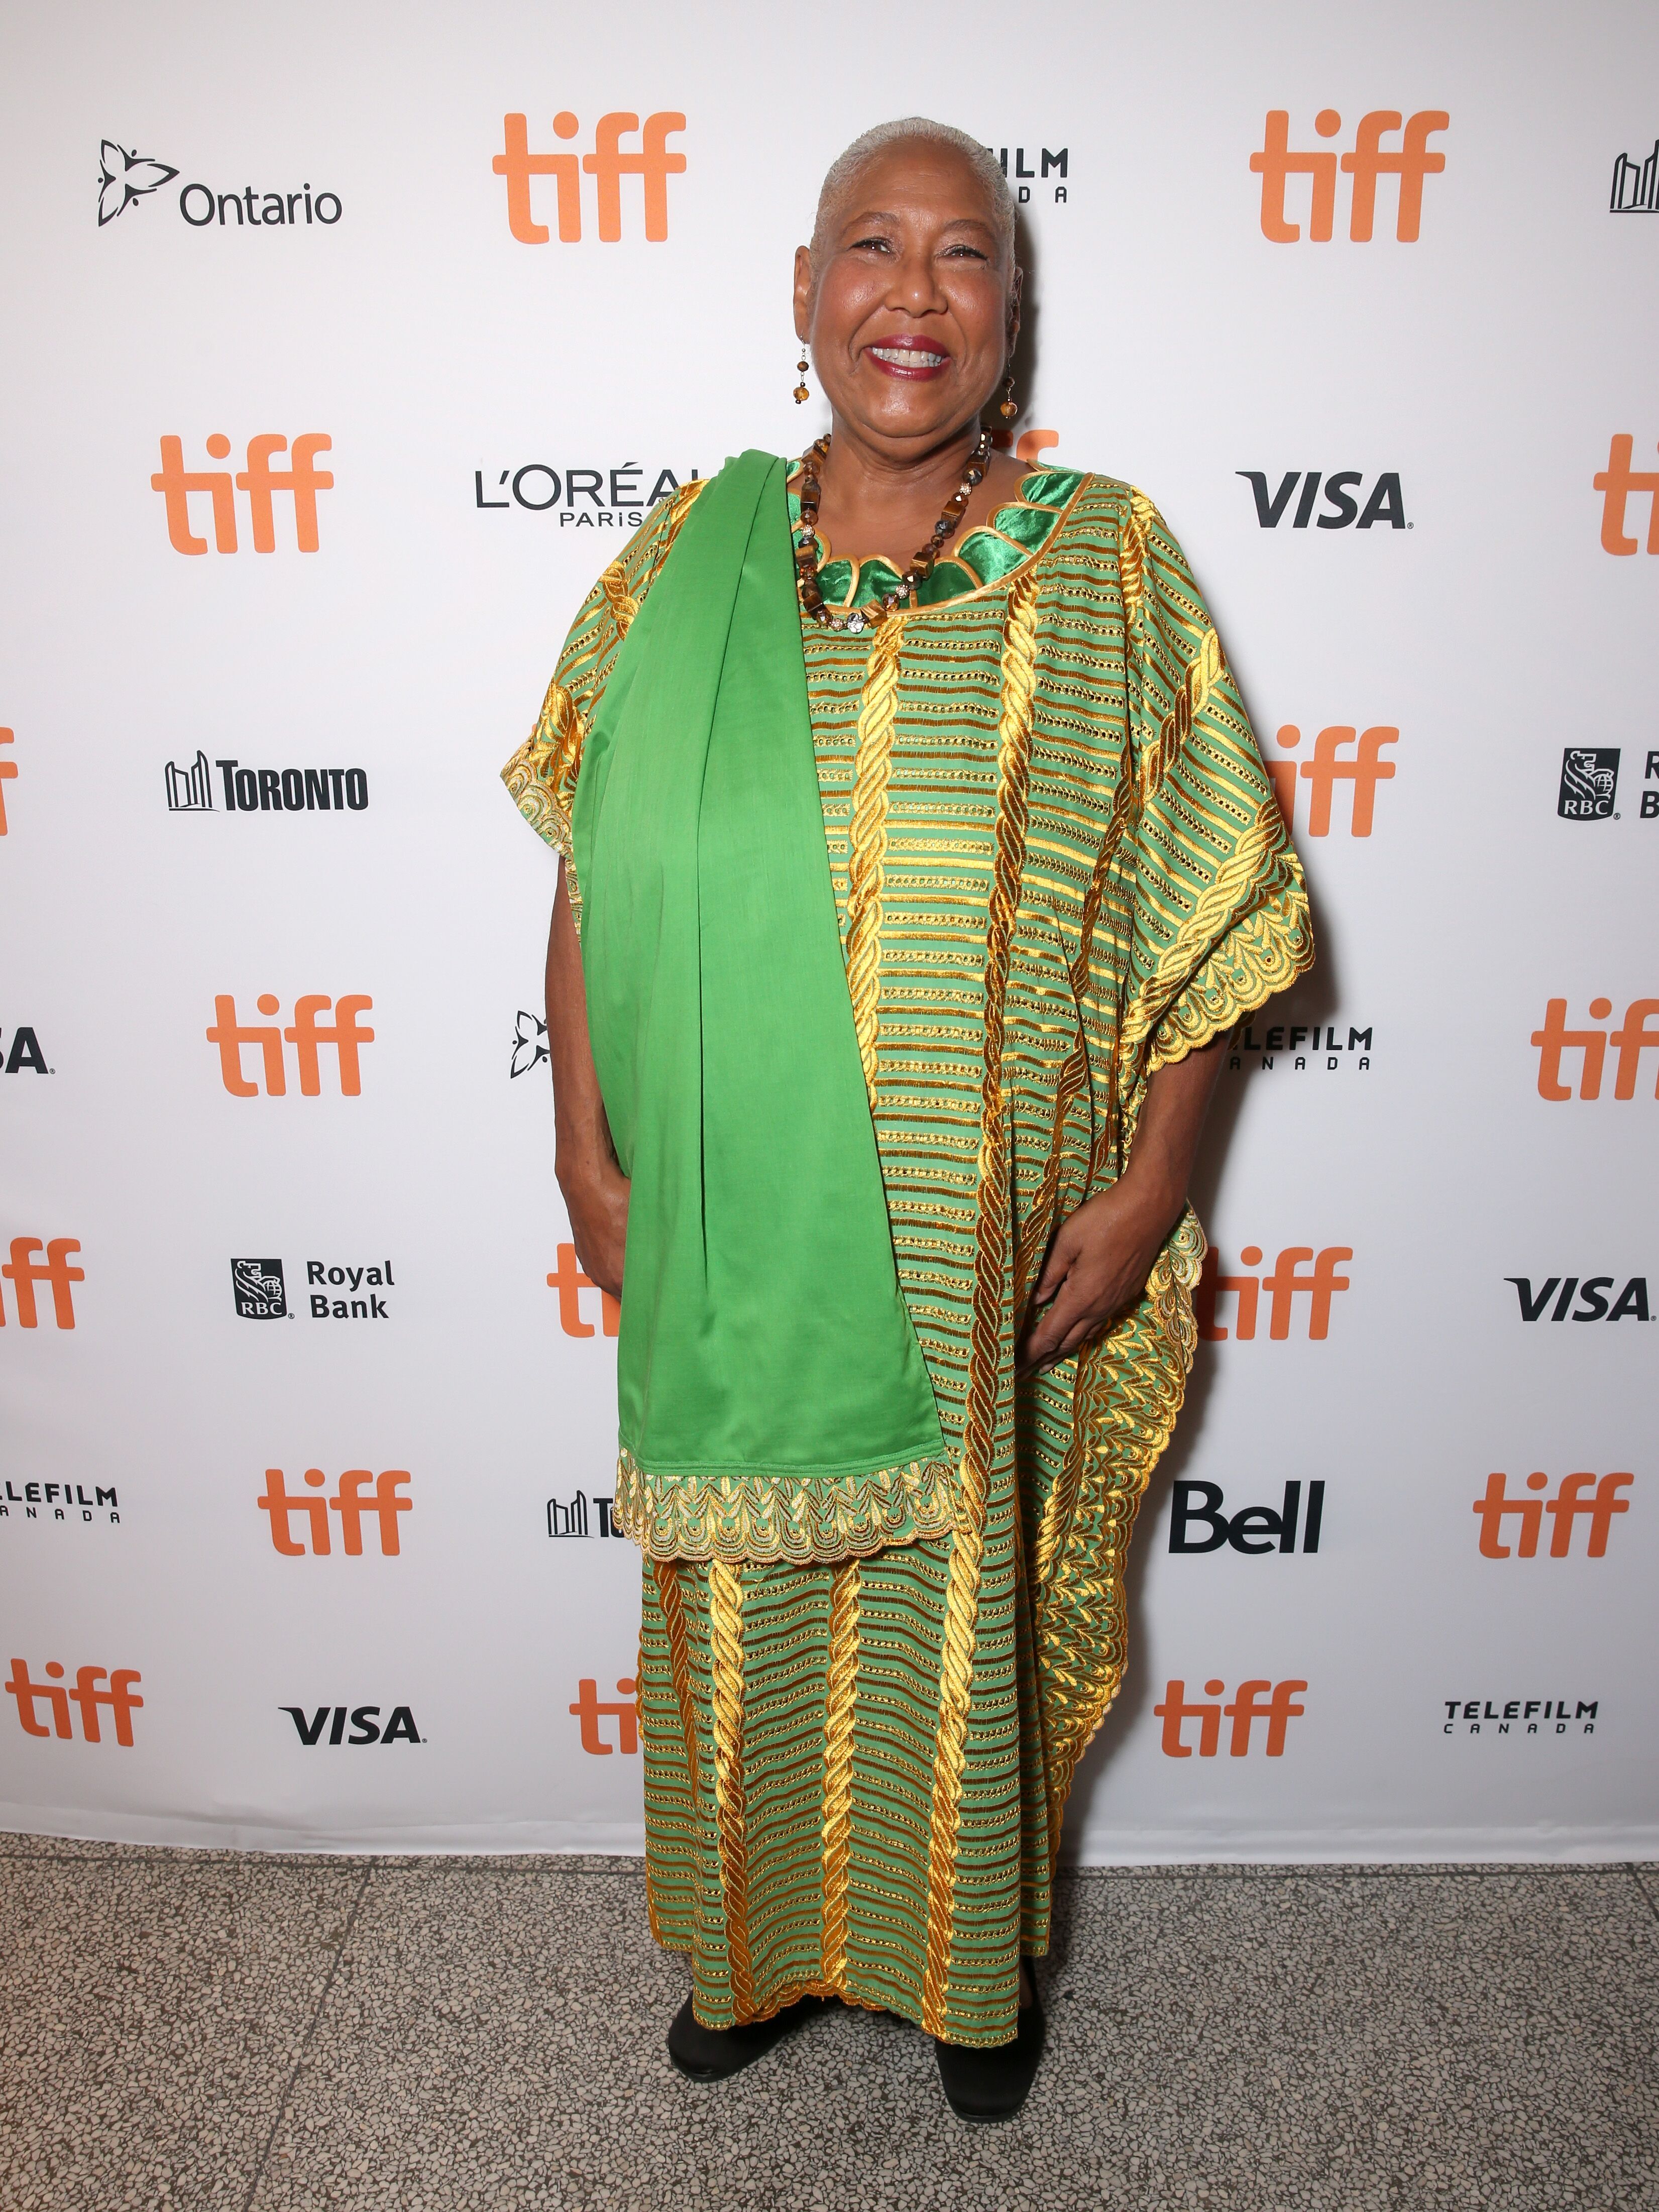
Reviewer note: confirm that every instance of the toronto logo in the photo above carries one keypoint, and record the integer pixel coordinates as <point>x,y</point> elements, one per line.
<point>123,178</point>
<point>1636,184</point>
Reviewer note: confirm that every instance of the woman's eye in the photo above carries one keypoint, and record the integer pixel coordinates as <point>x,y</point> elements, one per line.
<point>880,244</point>
<point>964,253</point>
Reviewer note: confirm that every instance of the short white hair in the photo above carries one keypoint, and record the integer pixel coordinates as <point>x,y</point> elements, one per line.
<point>844,169</point>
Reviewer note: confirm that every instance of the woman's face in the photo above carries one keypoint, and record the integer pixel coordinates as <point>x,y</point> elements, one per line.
<point>909,308</point>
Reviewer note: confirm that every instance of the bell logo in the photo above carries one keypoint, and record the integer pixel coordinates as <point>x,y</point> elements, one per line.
<point>306,1035</point>
<point>1275,164</point>
<point>1615,483</point>
<point>1328,767</point>
<point>589,1713</point>
<point>118,1699</point>
<point>1284,1285</point>
<point>1565,1508</point>
<point>607,165</point>
<point>1630,1042</point>
<point>1243,1712</point>
<point>23,1271</point>
<point>569,1280</point>
<point>259,480</point>
<point>348,1501</point>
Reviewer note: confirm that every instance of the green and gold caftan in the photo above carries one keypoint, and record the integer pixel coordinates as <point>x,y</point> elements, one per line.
<point>1057,867</point>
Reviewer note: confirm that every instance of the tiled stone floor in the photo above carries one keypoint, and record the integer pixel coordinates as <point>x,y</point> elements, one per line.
<point>186,2029</point>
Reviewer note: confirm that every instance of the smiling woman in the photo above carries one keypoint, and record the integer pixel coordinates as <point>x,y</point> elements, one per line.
<point>917,856</point>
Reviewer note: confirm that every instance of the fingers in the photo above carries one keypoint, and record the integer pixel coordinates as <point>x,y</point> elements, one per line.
<point>1062,1257</point>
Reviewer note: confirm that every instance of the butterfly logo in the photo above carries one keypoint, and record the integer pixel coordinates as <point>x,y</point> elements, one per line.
<point>529,1042</point>
<point>123,178</point>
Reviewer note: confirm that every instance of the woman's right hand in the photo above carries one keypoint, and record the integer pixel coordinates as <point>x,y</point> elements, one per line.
<point>596,1199</point>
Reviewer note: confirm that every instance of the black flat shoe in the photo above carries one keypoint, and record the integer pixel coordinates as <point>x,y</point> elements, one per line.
<point>714,2054</point>
<point>987,2084</point>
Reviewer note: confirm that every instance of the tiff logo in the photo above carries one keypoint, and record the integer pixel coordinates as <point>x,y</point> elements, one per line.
<point>1630,1042</point>
<point>1243,1712</point>
<point>1276,163</point>
<point>118,1699</point>
<point>8,774</point>
<point>259,480</point>
<point>589,1713</point>
<point>1284,1286</point>
<point>1567,1506</point>
<point>569,1280</point>
<point>1615,483</point>
<point>23,1271</point>
<point>607,165</point>
<point>1328,767</point>
<point>306,1035</point>
<point>348,1501</point>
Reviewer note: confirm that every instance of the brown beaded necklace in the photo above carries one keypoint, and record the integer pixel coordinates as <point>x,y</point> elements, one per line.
<point>922,566</point>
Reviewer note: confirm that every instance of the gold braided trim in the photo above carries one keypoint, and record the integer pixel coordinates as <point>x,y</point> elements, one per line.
<point>814,1520</point>
<point>1132,552</point>
<point>725,1651</point>
<point>867,857</point>
<point>841,1691</point>
<point>1120,1445</point>
<point>1204,674</point>
<point>985,1353</point>
<point>1260,957</point>
<point>679,1666</point>
<point>1242,881</point>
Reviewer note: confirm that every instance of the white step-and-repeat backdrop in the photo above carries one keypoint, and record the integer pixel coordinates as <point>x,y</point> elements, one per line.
<point>343,347</point>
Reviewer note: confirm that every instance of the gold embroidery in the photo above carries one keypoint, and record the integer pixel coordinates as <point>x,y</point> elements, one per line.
<point>766,1516</point>
<point>725,1643</point>
<point>679,1665</point>
<point>990,1238</point>
<point>841,1691</point>
<point>1132,552</point>
<point>868,843</point>
<point>1204,672</point>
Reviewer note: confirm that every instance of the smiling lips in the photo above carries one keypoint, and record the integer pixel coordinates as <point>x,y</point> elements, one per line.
<point>915,358</point>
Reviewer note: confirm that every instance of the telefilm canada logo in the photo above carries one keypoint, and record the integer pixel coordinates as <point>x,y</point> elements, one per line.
<point>126,176</point>
<point>189,787</point>
<point>60,1501</point>
<point>607,163</point>
<point>1297,1046</point>
<point>23,1055</point>
<point>1344,492</point>
<point>1520,1715</point>
<point>333,1292</point>
<point>1276,162</point>
<point>607,499</point>
<point>1022,176</point>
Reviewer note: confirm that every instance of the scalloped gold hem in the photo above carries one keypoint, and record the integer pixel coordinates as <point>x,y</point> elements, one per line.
<point>760,1519</point>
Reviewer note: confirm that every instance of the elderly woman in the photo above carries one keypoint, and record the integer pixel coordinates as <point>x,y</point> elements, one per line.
<point>907,898</point>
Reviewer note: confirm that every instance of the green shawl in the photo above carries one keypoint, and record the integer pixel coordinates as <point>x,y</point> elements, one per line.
<point>773,1399</point>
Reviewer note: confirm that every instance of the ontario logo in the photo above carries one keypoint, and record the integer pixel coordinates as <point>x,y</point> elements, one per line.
<point>529,1042</point>
<point>123,178</point>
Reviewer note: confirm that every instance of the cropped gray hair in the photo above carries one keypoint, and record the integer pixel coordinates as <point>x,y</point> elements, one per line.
<point>845,167</point>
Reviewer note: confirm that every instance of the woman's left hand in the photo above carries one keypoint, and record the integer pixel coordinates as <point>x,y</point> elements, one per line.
<point>1096,1266</point>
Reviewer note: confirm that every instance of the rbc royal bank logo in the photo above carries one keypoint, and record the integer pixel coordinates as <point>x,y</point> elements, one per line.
<point>1411,161</point>
<point>607,165</point>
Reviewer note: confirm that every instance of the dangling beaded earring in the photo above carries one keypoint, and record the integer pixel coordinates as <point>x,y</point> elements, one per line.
<point>801,391</point>
<point>1010,406</point>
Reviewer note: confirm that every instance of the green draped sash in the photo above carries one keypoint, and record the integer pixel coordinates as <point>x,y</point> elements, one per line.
<point>773,1399</point>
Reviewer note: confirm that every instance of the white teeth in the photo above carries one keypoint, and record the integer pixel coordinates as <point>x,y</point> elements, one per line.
<point>910,356</point>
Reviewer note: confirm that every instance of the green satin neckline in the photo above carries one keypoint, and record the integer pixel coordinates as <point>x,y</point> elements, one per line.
<point>991,551</point>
